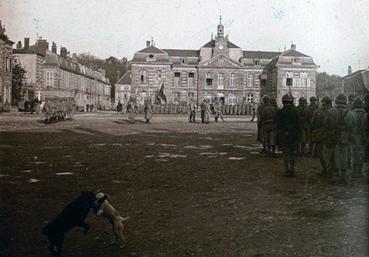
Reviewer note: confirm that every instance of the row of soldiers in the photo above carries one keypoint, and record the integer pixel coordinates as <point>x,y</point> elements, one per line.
<point>338,135</point>
<point>59,108</point>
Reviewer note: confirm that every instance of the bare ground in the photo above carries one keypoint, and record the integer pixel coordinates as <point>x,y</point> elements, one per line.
<point>189,189</point>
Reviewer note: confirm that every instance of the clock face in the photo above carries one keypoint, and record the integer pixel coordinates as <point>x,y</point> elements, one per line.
<point>220,46</point>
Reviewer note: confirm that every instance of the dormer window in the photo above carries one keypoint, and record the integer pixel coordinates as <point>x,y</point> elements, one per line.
<point>151,56</point>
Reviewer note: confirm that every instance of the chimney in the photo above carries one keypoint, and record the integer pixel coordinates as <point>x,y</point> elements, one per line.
<point>74,57</point>
<point>19,44</point>
<point>53,48</point>
<point>63,52</point>
<point>42,45</point>
<point>26,43</point>
<point>293,46</point>
<point>147,43</point>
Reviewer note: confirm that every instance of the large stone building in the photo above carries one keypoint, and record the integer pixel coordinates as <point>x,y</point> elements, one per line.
<point>5,68</point>
<point>356,83</point>
<point>50,74</point>
<point>221,69</point>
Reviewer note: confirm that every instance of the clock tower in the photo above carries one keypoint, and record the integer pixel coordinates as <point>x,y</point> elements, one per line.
<point>221,42</point>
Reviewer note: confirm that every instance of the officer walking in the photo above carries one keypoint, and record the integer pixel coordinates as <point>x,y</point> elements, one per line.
<point>318,138</point>
<point>288,133</point>
<point>192,108</point>
<point>339,126</point>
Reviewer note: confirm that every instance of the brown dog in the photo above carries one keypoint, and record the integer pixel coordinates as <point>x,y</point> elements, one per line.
<point>105,209</point>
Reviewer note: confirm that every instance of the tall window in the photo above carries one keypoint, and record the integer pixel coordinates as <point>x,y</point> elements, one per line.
<point>142,76</point>
<point>158,75</point>
<point>220,81</point>
<point>304,78</point>
<point>249,79</point>
<point>232,99</point>
<point>256,62</point>
<point>177,76</point>
<point>250,98</point>
<point>289,79</point>
<point>49,78</point>
<point>232,80</point>
<point>191,77</point>
<point>209,80</point>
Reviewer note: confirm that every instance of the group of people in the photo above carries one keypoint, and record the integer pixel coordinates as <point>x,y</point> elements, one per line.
<point>205,110</point>
<point>338,136</point>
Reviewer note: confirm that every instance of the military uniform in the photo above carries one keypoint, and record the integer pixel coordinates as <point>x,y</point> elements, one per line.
<point>218,110</point>
<point>259,123</point>
<point>132,110</point>
<point>358,137</point>
<point>339,126</point>
<point>318,135</point>
<point>148,110</point>
<point>302,113</point>
<point>311,109</point>
<point>192,111</point>
<point>205,112</point>
<point>288,133</point>
<point>268,125</point>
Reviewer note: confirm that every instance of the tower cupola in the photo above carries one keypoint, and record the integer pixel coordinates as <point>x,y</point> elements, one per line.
<point>220,31</point>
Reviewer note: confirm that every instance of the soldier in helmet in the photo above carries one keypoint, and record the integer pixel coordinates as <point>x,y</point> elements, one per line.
<point>311,109</point>
<point>318,138</point>
<point>350,104</point>
<point>302,113</point>
<point>358,137</point>
<point>339,127</point>
<point>288,133</point>
<point>259,123</point>
<point>268,127</point>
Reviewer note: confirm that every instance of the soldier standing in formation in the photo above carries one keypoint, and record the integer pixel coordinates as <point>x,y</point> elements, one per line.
<point>302,113</point>
<point>148,110</point>
<point>358,138</point>
<point>317,130</point>
<point>205,112</point>
<point>288,133</point>
<point>259,123</point>
<point>192,108</point>
<point>268,126</point>
<point>311,109</point>
<point>339,128</point>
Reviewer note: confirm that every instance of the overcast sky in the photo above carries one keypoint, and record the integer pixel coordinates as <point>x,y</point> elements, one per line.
<point>335,33</point>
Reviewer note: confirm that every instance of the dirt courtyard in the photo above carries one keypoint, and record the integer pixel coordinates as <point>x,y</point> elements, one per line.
<point>189,189</point>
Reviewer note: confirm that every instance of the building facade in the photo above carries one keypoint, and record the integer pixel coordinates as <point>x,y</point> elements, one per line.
<point>220,69</point>
<point>5,68</point>
<point>123,88</point>
<point>50,74</point>
<point>356,83</point>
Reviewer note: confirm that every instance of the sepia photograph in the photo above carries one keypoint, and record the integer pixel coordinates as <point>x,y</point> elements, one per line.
<point>184,128</point>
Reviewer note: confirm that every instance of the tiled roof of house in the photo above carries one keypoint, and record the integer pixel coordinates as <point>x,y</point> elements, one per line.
<point>33,49</point>
<point>151,50</point>
<point>125,79</point>
<point>260,54</point>
<point>182,52</point>
<point>294,53</point>
<point>211,44</point>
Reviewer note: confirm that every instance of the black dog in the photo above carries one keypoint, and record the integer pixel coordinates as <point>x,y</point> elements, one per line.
<point>73,215</point>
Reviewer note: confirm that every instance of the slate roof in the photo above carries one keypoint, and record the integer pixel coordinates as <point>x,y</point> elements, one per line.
<point>182,52</point>
<point>211,44</point>
<point>151,50</point>
<point>260,54</point>
<point>294,53</point>
<point>125,79</point>
<point>33,49</point>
